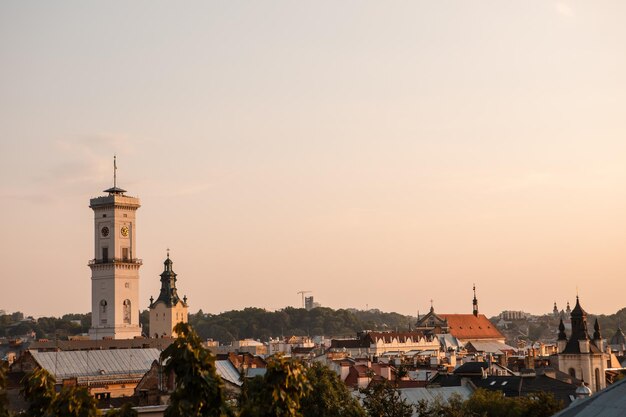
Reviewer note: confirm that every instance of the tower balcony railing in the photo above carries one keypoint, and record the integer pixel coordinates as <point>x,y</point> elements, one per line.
<point>135,261</point>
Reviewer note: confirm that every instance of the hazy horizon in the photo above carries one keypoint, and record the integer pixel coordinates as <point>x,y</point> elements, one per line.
<point>376,154</point>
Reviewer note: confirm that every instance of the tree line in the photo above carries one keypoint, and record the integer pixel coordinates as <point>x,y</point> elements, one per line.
<point>255,323</point>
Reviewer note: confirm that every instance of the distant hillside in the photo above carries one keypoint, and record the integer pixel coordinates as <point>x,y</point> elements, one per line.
<point>257,323</point>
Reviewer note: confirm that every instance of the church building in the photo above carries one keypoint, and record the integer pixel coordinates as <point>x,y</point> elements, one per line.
<point>168,309</point>
<point>465,327</point>
<point>579,355</point>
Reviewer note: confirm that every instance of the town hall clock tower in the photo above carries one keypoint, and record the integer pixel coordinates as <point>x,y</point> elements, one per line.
<point>115,267</point>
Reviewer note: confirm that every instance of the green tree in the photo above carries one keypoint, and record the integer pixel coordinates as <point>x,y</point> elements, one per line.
<point>38,390</point>
<point>329,396</point>
<point>383,400</point>
<point>278,393</point>
<point>4,401</point>
<point>453,407</point>
<point>125,410</point>
<point>73,402</point>
<point>540,404</point>
<point>144,322</point>
<point>492,403</point>
<point>199,390</point>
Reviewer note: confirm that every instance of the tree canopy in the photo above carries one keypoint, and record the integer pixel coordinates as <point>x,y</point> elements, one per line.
<point>199,390</point>
<point>278,393</point>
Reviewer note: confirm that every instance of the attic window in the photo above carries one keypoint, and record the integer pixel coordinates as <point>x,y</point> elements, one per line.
<point>104,215</point>
<point>504,383</point>
<point>493,383</point>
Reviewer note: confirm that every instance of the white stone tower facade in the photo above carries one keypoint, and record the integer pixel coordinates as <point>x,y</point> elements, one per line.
<point>115,267</point>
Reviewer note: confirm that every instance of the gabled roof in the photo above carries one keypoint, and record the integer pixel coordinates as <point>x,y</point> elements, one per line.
<point>470,327</point>
<point>97,363</point>
<point>618,338</point>
<point>227,371</point>
<point>471,368</point>
<point>513,386</point>
<point>431,319</point>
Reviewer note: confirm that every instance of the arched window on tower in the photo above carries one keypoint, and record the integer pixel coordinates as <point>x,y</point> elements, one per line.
<point>103,311</point>
<point>126,311</point>
<point>598,381</point>
<point>572,372</point>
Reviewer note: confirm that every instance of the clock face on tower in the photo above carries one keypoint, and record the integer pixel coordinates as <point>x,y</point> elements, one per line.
<point>124,231</point>
<point>104,231</point>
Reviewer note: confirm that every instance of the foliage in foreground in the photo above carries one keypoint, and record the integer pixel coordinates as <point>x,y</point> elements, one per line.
<point>278,393</point>
<point>328,396</point>
<point>44,401</point>
<point>484,403</point>
<point>4,401</point>
<point>383,400</point>
<point>199,390</point>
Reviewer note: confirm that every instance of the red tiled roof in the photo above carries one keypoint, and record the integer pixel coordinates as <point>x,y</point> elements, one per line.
<point>468,326</point>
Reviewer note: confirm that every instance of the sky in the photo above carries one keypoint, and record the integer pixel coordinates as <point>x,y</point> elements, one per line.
<point>378,154</point>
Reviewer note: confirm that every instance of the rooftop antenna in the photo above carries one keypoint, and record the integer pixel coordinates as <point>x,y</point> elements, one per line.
<point>114,171</point>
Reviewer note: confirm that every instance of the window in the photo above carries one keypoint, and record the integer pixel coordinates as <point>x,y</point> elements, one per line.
<point>126,311</point>
<point>125,254</point>
<point>105,255</point>
<point>103,312</point>
<point>598,381</point>
<point>572,372</point>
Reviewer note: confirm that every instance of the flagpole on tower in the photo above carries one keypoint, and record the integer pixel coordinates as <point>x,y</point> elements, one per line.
<point>114,171</point>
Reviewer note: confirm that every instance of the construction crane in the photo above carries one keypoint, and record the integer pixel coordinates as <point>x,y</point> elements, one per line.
<point>303,292</point>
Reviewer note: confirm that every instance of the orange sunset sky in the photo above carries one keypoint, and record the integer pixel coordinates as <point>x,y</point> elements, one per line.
<point>379,154</point>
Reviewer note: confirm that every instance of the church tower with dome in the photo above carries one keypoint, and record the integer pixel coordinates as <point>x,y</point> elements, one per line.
<point>168,309</point>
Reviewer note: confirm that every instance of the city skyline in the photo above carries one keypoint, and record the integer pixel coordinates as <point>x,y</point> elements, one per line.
<point>376,155</point>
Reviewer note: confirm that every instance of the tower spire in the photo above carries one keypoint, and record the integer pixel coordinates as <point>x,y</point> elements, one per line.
<point>114,189</point>
<point>475,303</point>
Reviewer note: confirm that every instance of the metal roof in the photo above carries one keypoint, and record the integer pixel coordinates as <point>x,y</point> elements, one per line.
<point>414,395</point>
<point>82,363</point>
<point>254,372</point>
<point>610,402</point>
<point>227,371</point>
<point>489,346</point>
